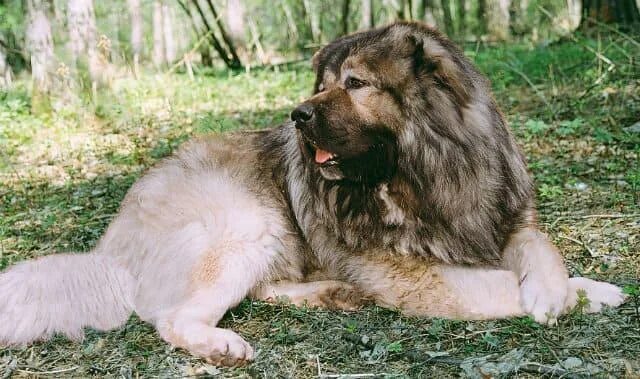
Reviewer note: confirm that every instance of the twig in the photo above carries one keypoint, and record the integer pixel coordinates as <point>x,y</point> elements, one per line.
<point>528,367</point>
<point>537,368</point>
<point>191,52</point>
<point>584,245</point>
<point>536,90</point>
<point>52,372</point>
<point>367,375</point>
<point>611,216</point>
<point>624,35</point>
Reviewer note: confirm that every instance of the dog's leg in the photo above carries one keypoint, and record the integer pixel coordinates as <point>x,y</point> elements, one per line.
<point>332,294</point>
<point>420,288</point>
<point>541,272</point>
<point>191,324</point>
<point>597,294</point>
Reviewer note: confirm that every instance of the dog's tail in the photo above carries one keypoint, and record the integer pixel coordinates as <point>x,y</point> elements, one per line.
<point>63,293</point>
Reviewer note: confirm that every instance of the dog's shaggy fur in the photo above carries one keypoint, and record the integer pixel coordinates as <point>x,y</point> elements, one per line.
<point>397,182</point>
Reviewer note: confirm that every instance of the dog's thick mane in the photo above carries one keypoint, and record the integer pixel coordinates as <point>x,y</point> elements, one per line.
<point>460,186</point>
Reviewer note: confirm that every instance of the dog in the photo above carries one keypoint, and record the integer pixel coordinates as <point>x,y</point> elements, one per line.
<point>397,182</point>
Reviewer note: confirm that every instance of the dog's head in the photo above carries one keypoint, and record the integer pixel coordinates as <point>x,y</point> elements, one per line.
<point>370,88</point>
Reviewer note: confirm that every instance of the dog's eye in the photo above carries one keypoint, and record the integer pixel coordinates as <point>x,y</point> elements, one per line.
<point>354,83</point>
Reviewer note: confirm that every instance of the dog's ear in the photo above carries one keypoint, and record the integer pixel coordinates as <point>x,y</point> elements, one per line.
<point>431,58</point>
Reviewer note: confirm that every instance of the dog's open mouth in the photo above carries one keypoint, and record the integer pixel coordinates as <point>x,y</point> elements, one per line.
<point>322,157</point>
<point>325,158</point>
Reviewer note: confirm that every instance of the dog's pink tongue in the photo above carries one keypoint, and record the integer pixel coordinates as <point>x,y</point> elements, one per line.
<point>322,156</point>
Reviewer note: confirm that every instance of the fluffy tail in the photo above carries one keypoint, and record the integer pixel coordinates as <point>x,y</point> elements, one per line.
<point>63,293</point>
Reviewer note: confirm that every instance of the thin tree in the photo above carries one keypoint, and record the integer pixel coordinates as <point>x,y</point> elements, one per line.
<point>235,21</point>
<point>366,14</point>
<point>425,11</point>
<point>481,15</point>
<point>158,34</point>
<point>81,21</point>
<point>235,60</point>
<point>314,20</point>
<point>494,17</point>
<point>421,7</point>
<point>461,18</point>
<point>5,70</point>
<point>228,61</point>
<point>407,9</point>
<point>39,43</point>
<point>345,16</point>
<point>519,20</point>
<point>203,49</point>
<point>447,17</point>
<point>170,49</point>
<point>291,22</point>
<point>395,9</point>
<point>135,14</point>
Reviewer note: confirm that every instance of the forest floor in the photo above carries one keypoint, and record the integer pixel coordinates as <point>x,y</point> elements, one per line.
<point>572,106</point>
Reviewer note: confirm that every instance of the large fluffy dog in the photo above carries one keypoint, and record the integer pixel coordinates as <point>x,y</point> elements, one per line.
<point>397,182</point>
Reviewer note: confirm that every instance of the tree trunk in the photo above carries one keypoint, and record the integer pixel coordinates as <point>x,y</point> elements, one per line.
<point>293,27</point>
<point>314,20</point>
<point>419,11</point>
<point>255,38</point>
<point>574,10</point>
<point>235,60</point>
<point>408,9</point>
<point>235,21</point>
<point>39,43</point>
<point>624,12</point>
<point>461,18</point>
<point>135,13</point>
<point>366,14</point>
<point>497,19</point>
<point>482,18</point>
<point>204,49</point>
<point>5,70</point>
<point>214,40</point>
<point>170,50</point>
<point>345,16</point>
<point>158,34</point>
<point>81,22</point>
<point>519,22</point>
<point>395,9</point>
<point>447,19</point>
<point>430,13</point>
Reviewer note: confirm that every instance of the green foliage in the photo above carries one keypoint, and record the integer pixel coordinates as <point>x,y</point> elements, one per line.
<point>11,15</point>
<point>569,127</point>
<point>632,290</point>
<point>536,127</point>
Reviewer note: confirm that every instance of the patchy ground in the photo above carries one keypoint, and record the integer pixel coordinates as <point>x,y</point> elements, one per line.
<point>572,106</point>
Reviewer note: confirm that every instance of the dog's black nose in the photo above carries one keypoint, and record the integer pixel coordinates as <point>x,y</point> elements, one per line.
<point>303,113</point>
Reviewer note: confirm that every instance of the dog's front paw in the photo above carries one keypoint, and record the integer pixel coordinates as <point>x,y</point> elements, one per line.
<point>597,294</point>
<point>543,297</point>
<point>226,348</point>
<point>218,346</point>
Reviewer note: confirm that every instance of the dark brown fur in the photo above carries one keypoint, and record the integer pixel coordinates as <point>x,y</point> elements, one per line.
<point>433,140</point>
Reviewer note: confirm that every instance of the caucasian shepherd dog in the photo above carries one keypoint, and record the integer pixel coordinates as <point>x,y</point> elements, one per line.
<point>397,182</point>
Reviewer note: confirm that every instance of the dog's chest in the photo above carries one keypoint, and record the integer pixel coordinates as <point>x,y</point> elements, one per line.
<point>353,222</point>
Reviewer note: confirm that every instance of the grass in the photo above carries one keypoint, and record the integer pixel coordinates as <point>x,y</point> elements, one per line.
<point>63,176</point>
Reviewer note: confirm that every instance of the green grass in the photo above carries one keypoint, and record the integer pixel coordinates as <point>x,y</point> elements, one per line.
<point>63,175</point>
